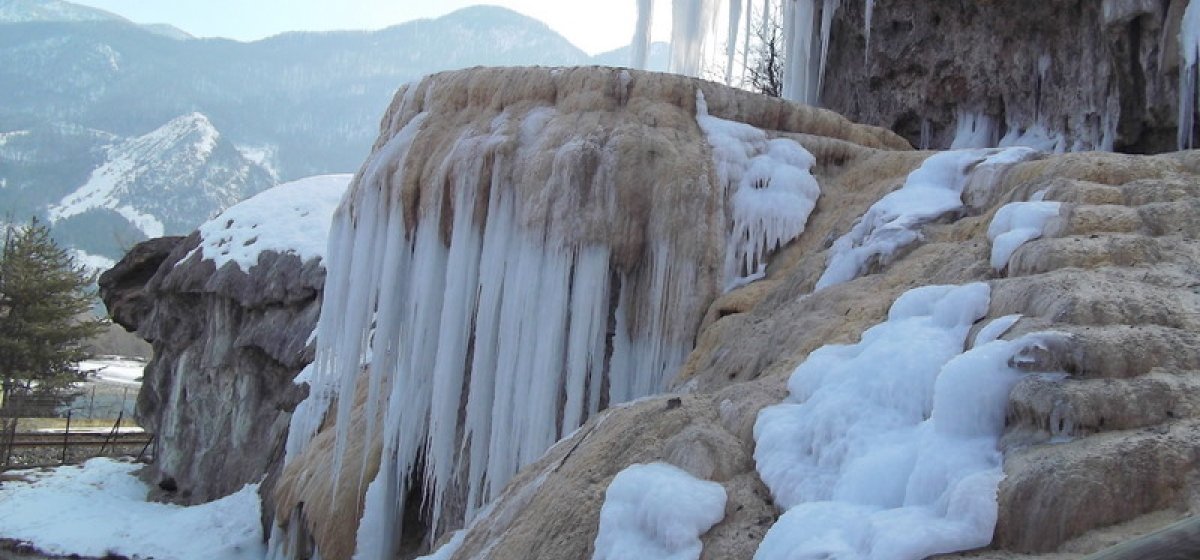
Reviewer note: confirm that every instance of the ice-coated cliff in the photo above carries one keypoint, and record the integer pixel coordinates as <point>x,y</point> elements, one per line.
<point>523,249</point>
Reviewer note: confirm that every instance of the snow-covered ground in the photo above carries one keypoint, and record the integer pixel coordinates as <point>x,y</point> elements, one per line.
<point>100,507</point>
<point>114,369</point>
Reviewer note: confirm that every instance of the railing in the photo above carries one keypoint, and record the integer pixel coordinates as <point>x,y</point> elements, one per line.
<point>23,448</point>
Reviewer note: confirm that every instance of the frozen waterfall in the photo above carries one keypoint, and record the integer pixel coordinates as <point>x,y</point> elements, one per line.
<point>493,284</point>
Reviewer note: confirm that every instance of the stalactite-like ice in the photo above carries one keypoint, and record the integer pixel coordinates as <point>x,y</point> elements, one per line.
<point>640,47</point>
<point>1189,47</point>
<point>735,16</point>
<point>895,462</point>
<point>771,187</point>
<point>693,26</point>
<point>657,511</point>
<point>484,298</point>
<point>894,221</point>
<point>806,47</point>
<point>868,15</point>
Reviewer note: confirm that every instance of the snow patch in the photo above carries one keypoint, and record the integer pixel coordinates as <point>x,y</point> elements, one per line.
<point>109,185</point>
<point>290,218</point>
<point>93,263</point>
<point>900,461</point>
<point>1015,224</point>
<point>114,369</point>
<point>101,507</point>
<point>894,221</point>
<point>657,511</point>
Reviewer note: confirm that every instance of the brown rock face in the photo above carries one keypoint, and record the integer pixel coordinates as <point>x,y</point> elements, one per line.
<point>1104,73</point>
<point>218,392</point>
<point>1108,452</point>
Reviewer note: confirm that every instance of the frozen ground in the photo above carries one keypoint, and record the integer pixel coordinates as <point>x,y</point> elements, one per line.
<point>100,507</point>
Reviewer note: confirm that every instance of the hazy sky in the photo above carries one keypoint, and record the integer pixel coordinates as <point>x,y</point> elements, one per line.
<point>593,25</point>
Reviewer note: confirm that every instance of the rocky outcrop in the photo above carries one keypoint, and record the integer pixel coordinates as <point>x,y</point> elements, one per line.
<point>1095,74</point>
<point>1099,441</point>
<point>227,343</point>
<point>1107,452</point>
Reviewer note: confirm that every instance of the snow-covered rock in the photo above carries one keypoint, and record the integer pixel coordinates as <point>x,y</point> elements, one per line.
<point>230,312</point>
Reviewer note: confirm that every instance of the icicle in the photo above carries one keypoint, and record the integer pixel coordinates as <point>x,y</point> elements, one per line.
<point>868,14</point>
<point>640,47</point>
<point>693,23</point>
<point>797,39</point>
<point>735,14</point>
<point>746,34</point>
<point>827,12</point>
<point>480,312</point>
<point>1189,46</point>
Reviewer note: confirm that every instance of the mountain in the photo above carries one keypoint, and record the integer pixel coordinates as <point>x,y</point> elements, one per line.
<point>158,184</point>
<point>658,60</point>
<point>20,11</point>
<point>83,92</point>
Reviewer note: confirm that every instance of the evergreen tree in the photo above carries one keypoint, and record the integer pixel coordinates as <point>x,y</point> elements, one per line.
<point>44,299</point>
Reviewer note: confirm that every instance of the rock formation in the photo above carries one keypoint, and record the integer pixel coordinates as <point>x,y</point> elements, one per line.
<point>1110,270</point>
<point>227,343</point>
<point>1088,74</point>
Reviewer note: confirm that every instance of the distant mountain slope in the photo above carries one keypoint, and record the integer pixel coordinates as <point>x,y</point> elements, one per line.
<point>20,11</point>
<point>163,182</point>
<point>80,89</point>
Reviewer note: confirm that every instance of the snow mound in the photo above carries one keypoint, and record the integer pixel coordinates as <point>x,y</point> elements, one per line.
<point>657,511</point>
<point>1015,224</point>
<point>101,507</point>
<point>894,222</point>
<point>290,218</point>
<point>894,462</point>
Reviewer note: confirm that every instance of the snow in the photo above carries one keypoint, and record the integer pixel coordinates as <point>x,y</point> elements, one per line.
<point>290,218</point>
<point>1189,49</point>
<point>770,187</point>
<point>114,369</point>
<point>93,263</point>
<point>897,461</point>
<point>262,155</point>
<point>894,221</point>
<point>1015,224</point>
<point>6,136</point>
<point>657,511</point>
<point>100,507</point>
<point>192,136</point>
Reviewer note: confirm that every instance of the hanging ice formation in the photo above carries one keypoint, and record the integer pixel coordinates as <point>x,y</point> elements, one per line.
<point>498,274</point>
<point>640,48</point>
<point>898,462</point>
<point>1189,46</point>
<point>807,29</point>
<point>693,27</point>
<point>771,189</point>
<point>894,221</point>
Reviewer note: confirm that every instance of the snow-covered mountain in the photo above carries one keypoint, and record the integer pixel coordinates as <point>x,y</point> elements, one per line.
<point>162,182</point>
<point>101,118</point>
<point>21,11</point>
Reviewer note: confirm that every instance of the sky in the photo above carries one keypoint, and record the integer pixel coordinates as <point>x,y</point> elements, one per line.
<point>594,25</point>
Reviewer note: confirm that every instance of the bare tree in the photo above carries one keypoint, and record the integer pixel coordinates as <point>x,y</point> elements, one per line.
<point>765,67</point>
